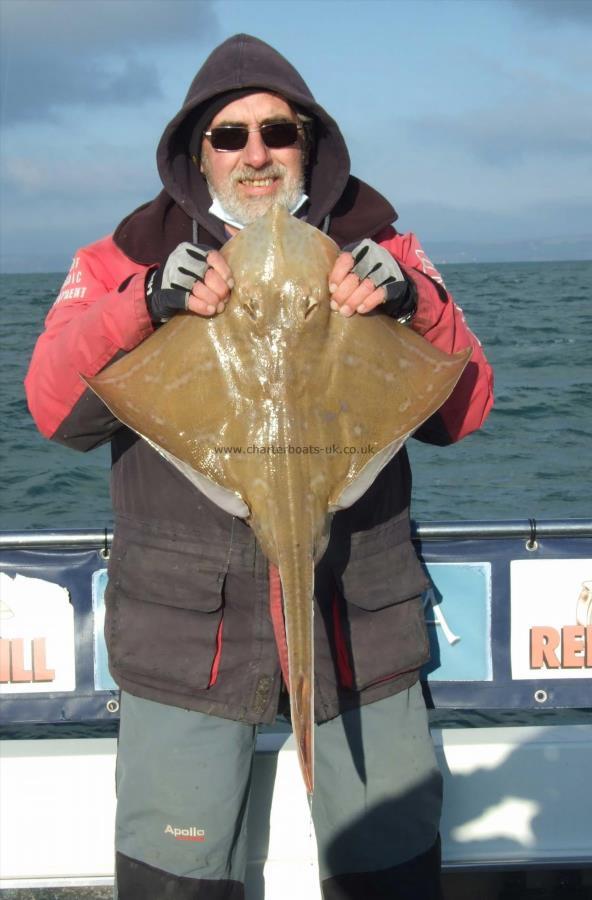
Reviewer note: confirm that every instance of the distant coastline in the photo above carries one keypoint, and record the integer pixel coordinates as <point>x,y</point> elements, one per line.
<point>457,252</point>
<point>577,249</point>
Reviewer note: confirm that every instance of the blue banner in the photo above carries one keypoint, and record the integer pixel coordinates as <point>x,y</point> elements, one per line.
<point>510,629</point>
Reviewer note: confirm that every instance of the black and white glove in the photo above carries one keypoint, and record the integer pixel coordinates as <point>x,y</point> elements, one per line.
<point>374,262</point>
<point>168,288</point>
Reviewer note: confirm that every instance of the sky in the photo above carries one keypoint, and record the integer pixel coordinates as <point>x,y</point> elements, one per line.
<point>471,116</point>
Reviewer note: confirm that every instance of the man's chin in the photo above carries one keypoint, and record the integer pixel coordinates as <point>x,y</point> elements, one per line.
<point>252,209</point>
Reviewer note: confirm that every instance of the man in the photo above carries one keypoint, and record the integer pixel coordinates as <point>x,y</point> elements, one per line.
<point>188,624</point>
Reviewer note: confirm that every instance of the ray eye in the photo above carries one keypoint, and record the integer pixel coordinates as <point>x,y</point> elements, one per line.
<point>250,307</point>
<point>312,304</point>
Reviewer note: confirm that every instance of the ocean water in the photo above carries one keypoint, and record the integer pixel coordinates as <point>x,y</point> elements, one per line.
<point>531,459</point>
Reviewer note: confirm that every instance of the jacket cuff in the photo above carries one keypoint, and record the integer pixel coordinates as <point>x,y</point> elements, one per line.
<point>429,297</point>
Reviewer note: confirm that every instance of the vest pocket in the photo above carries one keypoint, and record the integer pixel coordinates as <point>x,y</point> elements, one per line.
<point>381,578</point>
<point>383,643</point>
<point>164,610</point>
<point>380,623</point>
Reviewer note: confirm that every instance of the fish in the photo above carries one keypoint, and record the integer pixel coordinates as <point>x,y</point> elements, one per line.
<point>282,411</point>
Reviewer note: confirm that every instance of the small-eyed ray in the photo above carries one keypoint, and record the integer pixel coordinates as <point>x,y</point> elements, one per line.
<point>282,411</point>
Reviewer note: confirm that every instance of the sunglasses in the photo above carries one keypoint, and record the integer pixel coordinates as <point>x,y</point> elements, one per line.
<point>229,138</point>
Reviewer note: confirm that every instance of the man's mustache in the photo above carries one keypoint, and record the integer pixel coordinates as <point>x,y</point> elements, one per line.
<point>247,173</point>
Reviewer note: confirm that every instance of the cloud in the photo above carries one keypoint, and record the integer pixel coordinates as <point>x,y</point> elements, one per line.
<point>51,205</point>
<point>63,53</point>
<point>106,25</point>
<point>34,177</point>
<point>536,124</point>
<point>436,221</point>
<point>554,11</point>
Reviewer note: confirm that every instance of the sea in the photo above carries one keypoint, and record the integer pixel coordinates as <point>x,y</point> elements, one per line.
<point>531,459</point>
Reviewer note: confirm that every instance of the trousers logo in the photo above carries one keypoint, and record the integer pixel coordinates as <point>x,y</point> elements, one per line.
<point>186,834</point>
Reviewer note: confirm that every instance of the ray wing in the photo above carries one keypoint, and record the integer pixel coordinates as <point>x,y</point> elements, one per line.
<point>188,391</point>
<point>380,382</point>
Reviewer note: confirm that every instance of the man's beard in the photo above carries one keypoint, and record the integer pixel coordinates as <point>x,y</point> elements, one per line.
<point>247,209</point>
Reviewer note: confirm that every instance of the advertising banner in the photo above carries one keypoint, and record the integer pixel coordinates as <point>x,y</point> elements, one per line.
<point>509,624</point>
<point>37,652</point>
<point>458,614</point>
<point>551,618</point>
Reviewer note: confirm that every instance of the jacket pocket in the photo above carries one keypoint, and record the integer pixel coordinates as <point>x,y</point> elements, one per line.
<point>381,623</point>
<point>164,610</point>
<point>383,643</point>
<point>377,579</point>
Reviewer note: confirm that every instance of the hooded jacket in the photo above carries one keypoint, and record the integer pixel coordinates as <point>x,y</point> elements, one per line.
<point>242,62</point>
<point>188,603</point>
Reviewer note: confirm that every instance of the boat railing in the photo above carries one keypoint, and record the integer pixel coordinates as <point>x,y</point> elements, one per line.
<point>529,529</point>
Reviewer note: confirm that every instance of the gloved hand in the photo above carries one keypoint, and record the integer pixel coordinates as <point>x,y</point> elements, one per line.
<point>375,263</point>
<point>168,288</point>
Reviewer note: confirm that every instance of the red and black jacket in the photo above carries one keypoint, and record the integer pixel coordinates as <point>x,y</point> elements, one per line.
<point>189,610</point>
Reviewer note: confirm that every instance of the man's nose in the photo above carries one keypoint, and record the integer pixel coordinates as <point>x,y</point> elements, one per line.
<point>256,153</point>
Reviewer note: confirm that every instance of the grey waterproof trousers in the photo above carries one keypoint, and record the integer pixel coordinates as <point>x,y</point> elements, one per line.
<point>183,781</point>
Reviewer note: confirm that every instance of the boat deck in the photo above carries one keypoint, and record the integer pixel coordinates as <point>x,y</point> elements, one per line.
<point>537,884</point>
<point>513,731</point>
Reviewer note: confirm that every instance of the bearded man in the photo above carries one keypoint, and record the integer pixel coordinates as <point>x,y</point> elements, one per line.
<point>188,626</point>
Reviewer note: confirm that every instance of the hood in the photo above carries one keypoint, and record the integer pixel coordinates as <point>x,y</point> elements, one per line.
<point>244,62</point>
<point>151,232</point>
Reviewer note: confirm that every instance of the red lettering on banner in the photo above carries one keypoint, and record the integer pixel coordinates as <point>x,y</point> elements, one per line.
<point>4,661</point>
<point>12,662</point>
<point>40,670</point>
<point>18,673</point>
<point>567,648</point>
<point>543,643</point>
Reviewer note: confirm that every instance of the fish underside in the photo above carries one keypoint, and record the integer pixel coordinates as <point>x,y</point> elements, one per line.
<point>281,411</point>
